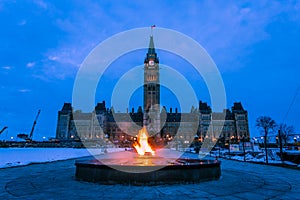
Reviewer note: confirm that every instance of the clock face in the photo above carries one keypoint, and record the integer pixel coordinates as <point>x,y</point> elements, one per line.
<point>151,62</point>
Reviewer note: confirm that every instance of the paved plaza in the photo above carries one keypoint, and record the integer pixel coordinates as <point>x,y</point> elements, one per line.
<point>239,181</point>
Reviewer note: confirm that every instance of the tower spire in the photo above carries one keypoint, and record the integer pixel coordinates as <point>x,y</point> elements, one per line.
<point>151,55</point>
<point>151,49</point>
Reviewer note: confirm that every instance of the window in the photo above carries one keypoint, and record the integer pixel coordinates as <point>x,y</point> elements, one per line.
<point>241,117</point>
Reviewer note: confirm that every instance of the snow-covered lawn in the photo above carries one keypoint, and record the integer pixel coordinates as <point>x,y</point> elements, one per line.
<point>10,157</point>
<point>259,158</point>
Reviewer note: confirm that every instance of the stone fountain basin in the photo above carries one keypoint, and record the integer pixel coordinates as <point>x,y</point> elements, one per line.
<point>166,167</point>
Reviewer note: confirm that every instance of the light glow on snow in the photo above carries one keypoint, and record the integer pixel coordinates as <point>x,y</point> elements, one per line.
<point>11,157</point>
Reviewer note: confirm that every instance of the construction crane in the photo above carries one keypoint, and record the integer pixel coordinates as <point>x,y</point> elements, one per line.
<point>34,123</point>
<point>4,128</point>
<point>25,136</point>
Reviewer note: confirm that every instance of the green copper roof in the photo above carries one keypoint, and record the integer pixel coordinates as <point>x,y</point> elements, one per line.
<point>151,52</point>
<point>151,49</point>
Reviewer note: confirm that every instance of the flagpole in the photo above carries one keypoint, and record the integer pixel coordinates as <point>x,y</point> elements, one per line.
<point>152,27</point>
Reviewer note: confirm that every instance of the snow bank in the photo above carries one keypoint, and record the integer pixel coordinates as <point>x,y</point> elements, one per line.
<point>10,157</point>
<point>259,158</point>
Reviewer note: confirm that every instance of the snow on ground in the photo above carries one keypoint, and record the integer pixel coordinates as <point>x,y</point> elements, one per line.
<point>10,157</point>
<point>259,158</point>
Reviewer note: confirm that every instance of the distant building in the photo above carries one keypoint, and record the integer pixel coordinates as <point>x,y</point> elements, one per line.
<point>201,123</point>
<point>77,125</point>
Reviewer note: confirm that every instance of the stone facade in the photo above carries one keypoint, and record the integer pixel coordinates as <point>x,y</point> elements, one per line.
<point>230,125</point>
<point>103,124</point>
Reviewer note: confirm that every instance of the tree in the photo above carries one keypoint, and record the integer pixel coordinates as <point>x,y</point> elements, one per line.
<point>285,131</point>
<point>265,124</point>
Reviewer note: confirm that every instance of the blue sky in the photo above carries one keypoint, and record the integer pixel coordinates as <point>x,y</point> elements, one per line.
<point>255,45</point>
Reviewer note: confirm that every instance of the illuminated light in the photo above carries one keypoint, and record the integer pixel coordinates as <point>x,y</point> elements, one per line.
<point>142,146</point>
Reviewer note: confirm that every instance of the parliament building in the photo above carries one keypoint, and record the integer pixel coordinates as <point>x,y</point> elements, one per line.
<point>164,126</point>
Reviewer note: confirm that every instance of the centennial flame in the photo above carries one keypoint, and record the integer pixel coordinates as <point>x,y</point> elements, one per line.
<point>142,146</point>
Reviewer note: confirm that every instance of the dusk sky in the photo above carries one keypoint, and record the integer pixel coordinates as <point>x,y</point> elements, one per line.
<point>254,44</point>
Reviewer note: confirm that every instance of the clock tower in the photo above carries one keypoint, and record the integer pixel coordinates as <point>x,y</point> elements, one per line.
<point>151,90</point>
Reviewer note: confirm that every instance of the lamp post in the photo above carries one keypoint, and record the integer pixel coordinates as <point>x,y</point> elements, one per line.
<point>219,148</point>
<point>229,142</point>
<point>280,145</point>
<point>243,141</point>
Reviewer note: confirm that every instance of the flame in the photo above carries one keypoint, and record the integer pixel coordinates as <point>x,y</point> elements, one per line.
<point>142,146</point>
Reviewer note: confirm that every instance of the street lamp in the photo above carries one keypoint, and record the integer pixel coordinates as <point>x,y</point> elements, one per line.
<point>280,145</point>
<point>255,140</point>
<point>219,148</point>
<point>244,151</point>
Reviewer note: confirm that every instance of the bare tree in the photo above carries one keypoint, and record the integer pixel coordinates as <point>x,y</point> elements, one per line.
<point>285,131</point>
<point>265,124</point>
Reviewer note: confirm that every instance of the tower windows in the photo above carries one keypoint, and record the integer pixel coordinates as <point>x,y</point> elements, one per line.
<point>151,78</point>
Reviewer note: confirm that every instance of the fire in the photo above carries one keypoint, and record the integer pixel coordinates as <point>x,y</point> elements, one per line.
<point>142,146</point>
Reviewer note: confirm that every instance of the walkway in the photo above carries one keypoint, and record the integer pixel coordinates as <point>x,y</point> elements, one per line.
<point>239,181</point>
